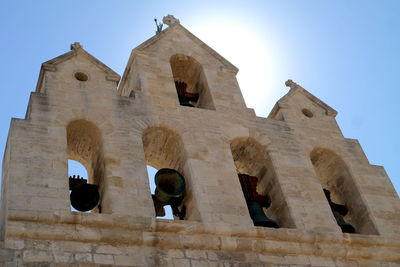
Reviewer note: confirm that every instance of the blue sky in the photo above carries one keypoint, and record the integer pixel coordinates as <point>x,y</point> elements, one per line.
<point>344,52</point>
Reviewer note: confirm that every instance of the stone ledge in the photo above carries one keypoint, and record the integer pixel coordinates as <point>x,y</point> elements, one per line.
<point>171,234</point>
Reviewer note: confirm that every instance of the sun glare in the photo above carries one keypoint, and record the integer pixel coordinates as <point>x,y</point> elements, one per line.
<point>244,47</point>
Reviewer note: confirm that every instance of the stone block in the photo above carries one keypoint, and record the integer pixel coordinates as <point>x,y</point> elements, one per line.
<point>321,261</point>
<point>175,253</point>
<point>272,259</point>
<point>103,259</point>
<point>65,264</point>
<point>107,249</point>
<point>297,259</point>
<point>83,257</point>
<point>37,256</point>
<point>71,246</point>
<point>199,263</point>
<point>63,257</point>
<point>212,255</point>
<point>87,265</point>
<point>6,255</point>
<point>196,254</point>
<point>181,262</point>
<point>131,260</point>
<point>14,244</point>
<point>37,265</point>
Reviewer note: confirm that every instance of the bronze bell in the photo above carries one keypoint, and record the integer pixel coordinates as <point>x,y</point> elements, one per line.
<point>169,184</point>
<point>184,96</point>
<point>84,196</point>
<point>256,202</point>
<point>170,189</point>
<point>258,216</point>
<point>183,101</point>
<point>339,211</point>
<point>346,227</point>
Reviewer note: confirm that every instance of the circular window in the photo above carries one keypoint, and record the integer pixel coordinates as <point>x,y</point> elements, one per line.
<point>307,112</point>
<point>80,76</point>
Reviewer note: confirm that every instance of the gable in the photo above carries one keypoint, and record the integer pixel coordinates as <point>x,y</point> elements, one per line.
<point>179,33</point>
<point>76,50</point>
<point>293,93</point>
<point>172,31</point>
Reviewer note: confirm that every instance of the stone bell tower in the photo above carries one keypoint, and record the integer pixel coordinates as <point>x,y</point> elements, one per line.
<point>287,190</point>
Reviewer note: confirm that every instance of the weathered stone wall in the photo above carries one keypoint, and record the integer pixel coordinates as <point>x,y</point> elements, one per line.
<point>365,188</point>
<point>142,124</point>
<point>95,239</point>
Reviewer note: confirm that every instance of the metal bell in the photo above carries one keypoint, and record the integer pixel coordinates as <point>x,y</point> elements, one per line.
<point>169,184</point>
<point>255,202</point>
<point>184,96</point>
<point>84,197</point>
<point>258,216</point>
<point>170,189</point>
<point>346,227</point>
<point>339,211</point>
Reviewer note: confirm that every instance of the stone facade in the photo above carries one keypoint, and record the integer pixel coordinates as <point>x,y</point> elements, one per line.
<point>82,110</point>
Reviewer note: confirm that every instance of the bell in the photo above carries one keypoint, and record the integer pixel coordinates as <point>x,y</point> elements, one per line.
<point>184,96</point>
<point>84,197</point>
<point>183,101</point>
<point>339,211</point>
<point>170,189</point>
<point>169,184</point>
<point>346,227</point>
<point>258,216</point>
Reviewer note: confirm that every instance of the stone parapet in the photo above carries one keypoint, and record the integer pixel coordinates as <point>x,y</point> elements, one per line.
<point>113,236</point>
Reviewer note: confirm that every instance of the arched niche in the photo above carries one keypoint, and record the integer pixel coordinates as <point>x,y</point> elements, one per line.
<point>190,82</point>
<point>163,148</point>
<point>334,176</point>
<point>84,144</point>
<point>251,158</point>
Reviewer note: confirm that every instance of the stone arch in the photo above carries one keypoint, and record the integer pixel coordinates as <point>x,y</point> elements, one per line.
<point>251,158</point>
<point>163,148</point>
<point>85,145</point>
<point>335,176</point>
<point>190,82</point>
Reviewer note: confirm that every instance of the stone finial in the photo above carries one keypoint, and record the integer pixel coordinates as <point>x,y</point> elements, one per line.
<point>291,84</point>
<point>170,20</point>
<point>76,46</point>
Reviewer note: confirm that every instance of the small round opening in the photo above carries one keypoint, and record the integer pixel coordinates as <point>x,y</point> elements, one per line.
<point>307,112</point>
<point>80,76</point>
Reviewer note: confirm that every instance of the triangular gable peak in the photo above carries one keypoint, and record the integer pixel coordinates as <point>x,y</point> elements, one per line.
<point>178,27</point>
<point>173,28</point>
<point>76,49</point>
<point>297,89</point>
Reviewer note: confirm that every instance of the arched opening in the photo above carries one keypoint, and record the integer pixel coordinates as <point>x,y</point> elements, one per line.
<point>259,183</point>
<point>341,192</point>
<point>76,168</point>
<point>190,82</point>
<point>84,145</point>
<point>164,151</point>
